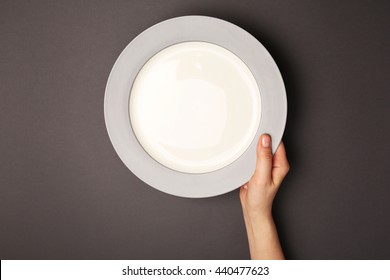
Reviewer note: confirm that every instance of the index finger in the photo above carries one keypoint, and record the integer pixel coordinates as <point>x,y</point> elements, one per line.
<point>280,165</point>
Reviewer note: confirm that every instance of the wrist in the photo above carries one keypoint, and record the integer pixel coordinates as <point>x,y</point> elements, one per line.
<point>259,214</point>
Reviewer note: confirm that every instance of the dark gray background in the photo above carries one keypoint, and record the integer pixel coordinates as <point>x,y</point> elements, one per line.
<point>65,194</point>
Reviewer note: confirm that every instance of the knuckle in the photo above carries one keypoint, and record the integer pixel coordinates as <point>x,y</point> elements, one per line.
<point>256,180</point>
<point>287,168</point>
<point>266,154</point>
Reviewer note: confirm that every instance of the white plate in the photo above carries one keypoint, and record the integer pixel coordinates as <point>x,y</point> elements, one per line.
<point>195,107</point>
<point>186,102</point>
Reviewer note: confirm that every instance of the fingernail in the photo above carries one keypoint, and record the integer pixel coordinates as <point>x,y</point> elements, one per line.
<point>265,142</point>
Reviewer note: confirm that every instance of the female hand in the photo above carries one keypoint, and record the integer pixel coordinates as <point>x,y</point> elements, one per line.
<point>257,197</point>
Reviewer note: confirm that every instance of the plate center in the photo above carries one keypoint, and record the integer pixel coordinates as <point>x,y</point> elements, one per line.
<point>195,107</point>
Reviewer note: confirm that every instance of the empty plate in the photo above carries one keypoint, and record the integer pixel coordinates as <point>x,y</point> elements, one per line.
<point>186,102</point>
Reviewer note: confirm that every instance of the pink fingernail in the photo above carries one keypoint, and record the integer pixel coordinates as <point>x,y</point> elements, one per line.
<point>266,141</point>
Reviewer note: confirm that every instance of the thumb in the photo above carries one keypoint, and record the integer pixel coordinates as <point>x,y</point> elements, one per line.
<point>263,173</point>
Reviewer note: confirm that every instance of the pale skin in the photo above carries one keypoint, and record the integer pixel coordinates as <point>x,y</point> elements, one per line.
<point>257,197</point>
